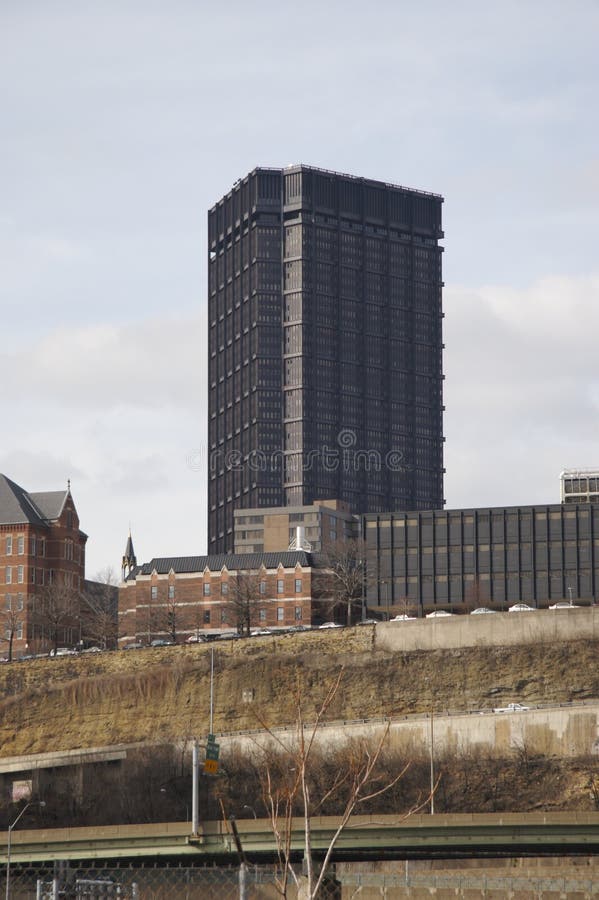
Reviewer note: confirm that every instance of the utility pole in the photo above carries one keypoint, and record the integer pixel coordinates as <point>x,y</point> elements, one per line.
<point>432,760</point>
<point>195,777</point>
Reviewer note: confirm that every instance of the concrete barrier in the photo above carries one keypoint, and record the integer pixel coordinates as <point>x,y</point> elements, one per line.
<point>497,630</point>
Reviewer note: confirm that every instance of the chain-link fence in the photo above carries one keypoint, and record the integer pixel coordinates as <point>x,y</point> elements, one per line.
<point>66,882</point>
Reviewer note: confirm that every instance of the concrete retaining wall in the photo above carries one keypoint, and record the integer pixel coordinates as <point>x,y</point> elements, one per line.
<point>499,629</point>
<point>567,731</point>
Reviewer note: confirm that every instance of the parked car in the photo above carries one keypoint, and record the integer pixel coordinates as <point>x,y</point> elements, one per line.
<point>403,617</point>
<point>135,645</point>
<point>162,642</point>
<point>521,607</point>
<point>511,707</point>
<point>438,613</point>
<point>481,610</point>
<point>563,604</point>
<point>330,625</point>
<point>260,631</point>
<point>195,639</point>
<point>367,622</point>
<point>62,651</point>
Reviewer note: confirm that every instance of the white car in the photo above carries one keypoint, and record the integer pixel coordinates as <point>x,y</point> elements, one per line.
<point>481,610</point>
<point>563,604</point>
<point>438,613</point>
<point>403,617</point>
<point>511,707</point>
<point>330,625</point>
<point>521,607</point>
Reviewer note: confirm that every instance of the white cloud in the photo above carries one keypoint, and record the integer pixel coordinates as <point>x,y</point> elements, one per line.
<point>522,389</point>
<point>118,410</point>
<point>154,364</point>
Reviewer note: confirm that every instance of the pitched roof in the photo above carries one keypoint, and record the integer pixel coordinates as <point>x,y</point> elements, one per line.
<point>19,507</point>
<point>233,561</point>
<point>129,558</point>
<point>50,503</point>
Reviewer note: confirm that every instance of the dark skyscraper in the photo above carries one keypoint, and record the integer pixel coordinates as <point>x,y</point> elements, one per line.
<point>325,346</point>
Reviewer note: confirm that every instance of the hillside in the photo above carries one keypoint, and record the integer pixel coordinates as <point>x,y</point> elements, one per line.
<point>162,694</point>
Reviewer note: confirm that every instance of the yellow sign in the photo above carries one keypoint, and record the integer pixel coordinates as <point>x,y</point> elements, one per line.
<point>211,767</point>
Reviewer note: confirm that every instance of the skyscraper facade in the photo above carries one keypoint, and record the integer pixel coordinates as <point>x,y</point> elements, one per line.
<point>325,346</point>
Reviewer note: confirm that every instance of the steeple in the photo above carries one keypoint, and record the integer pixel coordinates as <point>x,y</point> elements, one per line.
<point>129,559</point>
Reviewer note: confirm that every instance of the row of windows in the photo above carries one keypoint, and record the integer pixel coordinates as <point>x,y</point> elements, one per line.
<point>16,544</point>
<point>224,588</point>
<point>12,602</point>
<point>16,575</point>
<point>16,633</point>
<point>223,614</point>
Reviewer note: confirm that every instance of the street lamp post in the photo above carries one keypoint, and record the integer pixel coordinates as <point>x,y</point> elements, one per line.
<point>8,843</point>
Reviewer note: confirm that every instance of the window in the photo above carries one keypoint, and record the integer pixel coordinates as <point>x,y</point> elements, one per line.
<point>280,586</point>
<point>32,545</point>
<point>8,544</point>
<point>43,547</point>
<point>223,615</point>
<point>206,617</point>
<point>262,587</point>
<point>298,613</point>
<point>154,592</point>
<point>20,631</point>
<point>68,549</point>
<point>20,574</point>
<point>8,578</point>
<point>20,545</point>
<point>32,575</point>
<point>20,602</point>
<point>8,602</point>
<point>262,615</point>
<point>298,585</point>
<point>206,590</point>
<point>171,592</point>
<point>280,613</point>
<point>224,588</point>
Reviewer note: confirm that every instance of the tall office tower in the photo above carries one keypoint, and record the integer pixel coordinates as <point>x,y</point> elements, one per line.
<point>325,346</point>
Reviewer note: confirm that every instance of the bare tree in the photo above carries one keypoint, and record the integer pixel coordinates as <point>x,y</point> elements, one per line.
<point>99,612</point>
<point>346,561</point>
<point>57,612</point>
<point>286,780</point>
<point>167,617</point>
<point>244,599</point>
<point>11,622</point>
<point>405,607</point>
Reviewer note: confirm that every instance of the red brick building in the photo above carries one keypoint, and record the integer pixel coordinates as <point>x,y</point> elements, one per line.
<point>183,596</point>
<point>42,550</point>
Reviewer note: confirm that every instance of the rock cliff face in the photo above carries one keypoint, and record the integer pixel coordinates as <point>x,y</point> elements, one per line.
<point>164,693</point>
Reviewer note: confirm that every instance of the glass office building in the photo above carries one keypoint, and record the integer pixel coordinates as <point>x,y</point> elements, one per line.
<point>325,346</point>
<point>486,557</point>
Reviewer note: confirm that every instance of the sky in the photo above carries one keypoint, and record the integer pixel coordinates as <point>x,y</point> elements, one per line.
<point>124,122</point>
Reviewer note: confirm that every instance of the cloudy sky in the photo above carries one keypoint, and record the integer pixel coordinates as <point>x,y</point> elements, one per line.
<point>122,122</point>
